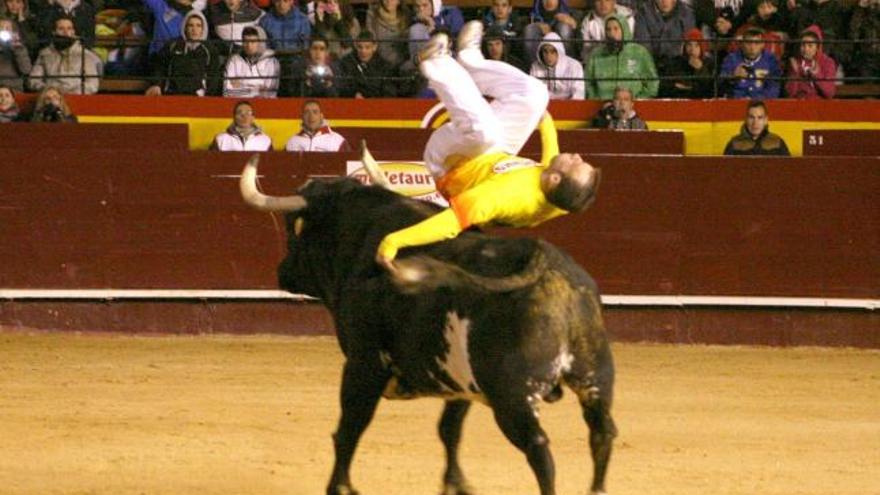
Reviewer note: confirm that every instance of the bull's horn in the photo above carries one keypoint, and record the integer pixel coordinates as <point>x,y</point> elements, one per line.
<point>248,186</point>
<point>372,167</point>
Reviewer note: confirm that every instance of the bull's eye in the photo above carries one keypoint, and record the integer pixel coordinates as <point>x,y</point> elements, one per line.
<point>298,226</point>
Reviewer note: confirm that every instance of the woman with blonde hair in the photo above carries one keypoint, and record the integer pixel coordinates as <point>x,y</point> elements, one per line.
<point>389,20</point>
<point>52,107</point>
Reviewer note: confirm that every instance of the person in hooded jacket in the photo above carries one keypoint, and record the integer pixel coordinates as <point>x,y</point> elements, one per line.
<point>692,74</point>
<point>189,65</point>
<point>253,72</point>
<point>548,16</point>
<point>593,24</point>
<point>243,134</point>
<point>168,19</point>
<point>563,75</point>
<point>811,74</point>
<point>620,62</point>
<point>66,64</point>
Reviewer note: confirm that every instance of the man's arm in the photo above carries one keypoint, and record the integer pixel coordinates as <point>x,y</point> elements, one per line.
<point>441,226</point>
<point>549,139</point>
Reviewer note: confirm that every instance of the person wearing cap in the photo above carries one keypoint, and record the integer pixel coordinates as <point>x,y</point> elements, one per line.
<point>473,158</point>
<point>755,137</point>
<point>363,73</point>
<point>691,74</point>
<point>811,74</point>
<point>497,46</point>
<point>751,72</point>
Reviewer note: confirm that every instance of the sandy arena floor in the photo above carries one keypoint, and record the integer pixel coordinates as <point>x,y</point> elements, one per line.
<point>231,415</point>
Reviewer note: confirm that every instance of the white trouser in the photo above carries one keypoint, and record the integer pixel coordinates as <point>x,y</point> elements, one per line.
<point>477,126</point>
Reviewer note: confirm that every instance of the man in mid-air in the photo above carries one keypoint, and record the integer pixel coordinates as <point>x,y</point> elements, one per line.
<point>473,157</point>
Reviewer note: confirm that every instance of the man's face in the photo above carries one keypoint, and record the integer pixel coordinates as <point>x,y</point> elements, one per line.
<point>692,49</point>
<point>550,4</point>
<point>623,102</point>
<point>424,8</point>
<point>194,28</point>
<point>365,50</point>
<point>15,6</point>
<point>604,7</point>
<point>666,6</point>
<point>250,44</point>
<point>613,31</point>
<point>501,9</point>
<point>752,46</point>
<point>312,117</point>
<point>756,121</point>
<point>495,48</point>
<point>809,48</point>
<point>722,25</point>
<point>282,6</point>
<point>232,5</point>
<point>6,98</point>
<point>549,55</point>
<point>64,27</point>
<point>766,9</point>
<point>565,164</point>
<point>244,116</point>
<point>318,52</point>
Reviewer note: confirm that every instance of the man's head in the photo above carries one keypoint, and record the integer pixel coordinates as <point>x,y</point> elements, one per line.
<point>604,8</point>
<point>64,27</point>
<point>753,43</point>
<point>250,42</point>
<point>570,183</point>
<point>666,6</point>
<point>365,46</point>
<point>809,45</point>
<point>724,21</point>
<point>282,7</point>
<point>424,8</point>
<point>550,4</point>
<point>501,9</point>
<point>312,116</point>
<point>495,48</point>
<point>243,115</point>
<point>756,118</point>
<point>7,97</point>
<point>623,101</point>
<point>766,8</point>
<point>318,54</point>
<point>15,7</point>
<point>548,54</point>
<point>233,5</point>
<point>194,28</point>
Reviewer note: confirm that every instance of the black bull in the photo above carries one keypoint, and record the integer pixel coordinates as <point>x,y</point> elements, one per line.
<point>502,321</point>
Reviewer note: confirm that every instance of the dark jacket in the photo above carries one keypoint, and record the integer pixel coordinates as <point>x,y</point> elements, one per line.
<point>372,79</point>
<point>189,68</point>
<point>766,144</point>
<point>83,15</point>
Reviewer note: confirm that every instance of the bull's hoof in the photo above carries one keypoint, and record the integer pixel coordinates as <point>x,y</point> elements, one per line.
<point>459,489</point>
<point>341,490</point>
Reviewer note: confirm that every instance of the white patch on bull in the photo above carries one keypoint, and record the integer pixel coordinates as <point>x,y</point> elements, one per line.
<point>543,386</point>
<point>456,363</point>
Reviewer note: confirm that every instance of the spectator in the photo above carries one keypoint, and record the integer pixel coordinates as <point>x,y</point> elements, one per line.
<point>315,133</point>
<point>243,134</point>
<point>336,22</point>
<point>619,114</point>
<point>168,20</point>
<point>287,27</point>
<point>28,25</point>
<point>692,74</point>
<point>52,107</point>
<point>593,25</point>
<point>429,16</point>
<point>65,64</point>
<point>563,75</point>
<point>254,72</point>
<point>15,62</point>
<point>706,12</point>
<point>864,31</point>
<point>364,74</point>
<point>830,15</point>
<point>620,62</point>
<point>189,65</point>
<point>228,19</point>
<point>751,72</point>
<point>502,16</point>
<point>8,107</point>
<point>79,12</point>
<point>389,21</point>
<point>548,16</point>
<point>811,74</point>
<point>315,76</point>
<point>660,20</point>
<point>721,35</point>
<point>768,18</point>
<point>755,137</point>
<point>497,46</point>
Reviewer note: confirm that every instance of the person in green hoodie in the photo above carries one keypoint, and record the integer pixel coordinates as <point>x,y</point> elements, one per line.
<point>620,63</point>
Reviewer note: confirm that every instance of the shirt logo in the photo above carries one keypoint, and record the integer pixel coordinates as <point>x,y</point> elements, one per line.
<point>505,166</point>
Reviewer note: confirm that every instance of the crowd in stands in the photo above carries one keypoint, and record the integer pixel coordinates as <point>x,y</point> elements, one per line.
<point>755,49</point>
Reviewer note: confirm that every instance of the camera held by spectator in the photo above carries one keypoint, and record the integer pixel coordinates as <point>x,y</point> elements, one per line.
<point>52,113</point>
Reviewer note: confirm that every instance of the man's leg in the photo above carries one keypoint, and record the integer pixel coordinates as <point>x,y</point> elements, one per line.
<point>474,127</point>
<point>519,100</point>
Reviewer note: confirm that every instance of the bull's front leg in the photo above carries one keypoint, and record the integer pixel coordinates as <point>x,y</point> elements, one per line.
<point>362,385</point>
<point>454,482</point>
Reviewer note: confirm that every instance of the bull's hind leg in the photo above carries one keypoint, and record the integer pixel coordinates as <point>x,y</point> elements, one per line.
<point>520,425</point>
<point>450,425</point>
<point>362,385</point>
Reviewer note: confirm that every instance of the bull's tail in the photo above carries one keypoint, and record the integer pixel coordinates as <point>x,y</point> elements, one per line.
<point>417,274</point>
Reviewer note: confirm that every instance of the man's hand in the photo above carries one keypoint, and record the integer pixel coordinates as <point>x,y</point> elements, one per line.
<point>386,263</point>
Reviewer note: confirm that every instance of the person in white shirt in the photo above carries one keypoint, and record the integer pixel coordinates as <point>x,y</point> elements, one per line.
<point>254,72</point>
<point>243,134</point>
<point>316,134</point>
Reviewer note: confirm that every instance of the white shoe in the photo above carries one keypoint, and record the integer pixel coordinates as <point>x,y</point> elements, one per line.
<point>437,46</point>
<point>470,36</point>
